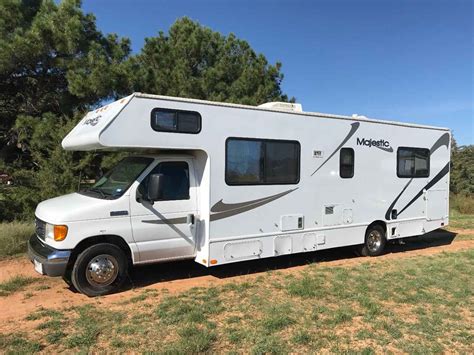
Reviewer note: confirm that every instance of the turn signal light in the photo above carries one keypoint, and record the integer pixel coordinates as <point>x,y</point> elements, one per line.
<point>60,232</point>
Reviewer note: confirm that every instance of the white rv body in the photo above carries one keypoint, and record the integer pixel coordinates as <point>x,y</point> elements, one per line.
<point>222,223</point>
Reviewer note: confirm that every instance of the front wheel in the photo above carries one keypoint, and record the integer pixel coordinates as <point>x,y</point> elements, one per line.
<point>375,241</point>
<point>99,270</point>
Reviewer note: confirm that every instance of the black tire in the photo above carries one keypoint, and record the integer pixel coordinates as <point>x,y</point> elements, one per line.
<point>375,241</point>
<point>99,270</point>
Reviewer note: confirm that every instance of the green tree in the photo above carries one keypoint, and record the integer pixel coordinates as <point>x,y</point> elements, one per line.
<point>462,170</point>
<point>194,61</point>
<point>54,65</point>
<point>53,59</point>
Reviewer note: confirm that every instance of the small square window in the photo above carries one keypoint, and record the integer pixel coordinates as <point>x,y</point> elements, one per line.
<point>178,121</point>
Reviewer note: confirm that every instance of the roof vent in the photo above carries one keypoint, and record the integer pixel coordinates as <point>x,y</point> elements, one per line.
<point>282,106</point>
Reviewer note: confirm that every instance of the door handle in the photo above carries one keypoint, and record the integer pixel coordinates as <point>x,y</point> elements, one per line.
<point>190,218</point>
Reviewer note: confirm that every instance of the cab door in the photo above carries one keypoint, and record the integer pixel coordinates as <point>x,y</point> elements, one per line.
<point>165,229</point>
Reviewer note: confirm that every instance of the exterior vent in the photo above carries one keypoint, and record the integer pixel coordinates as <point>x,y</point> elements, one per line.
<point>283,106</point>
<point>329,210</point>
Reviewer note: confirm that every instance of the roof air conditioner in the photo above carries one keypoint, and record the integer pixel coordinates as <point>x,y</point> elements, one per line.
<point>282,106</point>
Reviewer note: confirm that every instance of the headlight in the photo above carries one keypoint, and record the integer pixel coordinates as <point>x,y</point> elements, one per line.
<point>56,232</point>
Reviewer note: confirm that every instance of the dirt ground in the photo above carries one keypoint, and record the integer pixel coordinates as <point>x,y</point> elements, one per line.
<point>53,293</point>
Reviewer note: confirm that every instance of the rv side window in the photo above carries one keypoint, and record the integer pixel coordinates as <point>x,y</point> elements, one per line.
<point>413,162</point>
<point>262,161</point>
<point>346,163</point>
<point>176,180</point>
<point>166,120</point>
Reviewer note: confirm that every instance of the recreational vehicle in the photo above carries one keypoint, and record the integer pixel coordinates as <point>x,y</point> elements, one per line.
<point>222,183</point>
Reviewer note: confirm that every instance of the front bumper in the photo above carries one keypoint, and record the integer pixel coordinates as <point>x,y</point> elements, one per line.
<point>47,260</point>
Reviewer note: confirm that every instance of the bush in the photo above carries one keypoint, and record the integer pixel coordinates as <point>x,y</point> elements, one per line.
<point>462,203</point>
<point>13,237</point>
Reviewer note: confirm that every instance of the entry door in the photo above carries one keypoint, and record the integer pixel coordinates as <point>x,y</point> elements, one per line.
<point>162,230</point>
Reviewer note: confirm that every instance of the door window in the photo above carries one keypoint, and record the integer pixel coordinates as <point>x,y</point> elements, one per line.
<point>175,180</point>
<point>413,162</point>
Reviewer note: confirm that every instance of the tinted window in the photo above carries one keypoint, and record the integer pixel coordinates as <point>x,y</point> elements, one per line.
<point>346,163</point>
<point>189,122</point>
<point>244,161</point>
<point>166,120</point>
<point>413,162</point>
<point>255,161</point>
<point>281,162</point>
<point>175,183</point>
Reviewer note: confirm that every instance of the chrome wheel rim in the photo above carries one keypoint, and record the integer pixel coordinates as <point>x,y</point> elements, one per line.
<point>102,270</point>
<point>374,240</point>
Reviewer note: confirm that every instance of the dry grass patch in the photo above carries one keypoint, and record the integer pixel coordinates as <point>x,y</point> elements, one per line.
<point>13,237</point>
<point>15,284</point>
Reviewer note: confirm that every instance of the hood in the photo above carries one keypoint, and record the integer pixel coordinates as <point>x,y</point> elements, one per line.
<point>77,207</point>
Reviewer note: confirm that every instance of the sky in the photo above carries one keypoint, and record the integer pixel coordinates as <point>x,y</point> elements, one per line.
<point>402,60</point>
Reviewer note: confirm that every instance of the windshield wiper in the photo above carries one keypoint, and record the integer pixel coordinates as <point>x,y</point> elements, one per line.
<point>95,189</point>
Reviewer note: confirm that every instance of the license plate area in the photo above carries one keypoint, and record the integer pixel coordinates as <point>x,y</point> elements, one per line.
<point>38,267</point>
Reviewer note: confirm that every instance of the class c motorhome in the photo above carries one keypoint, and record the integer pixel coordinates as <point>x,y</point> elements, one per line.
<point>222,183</point>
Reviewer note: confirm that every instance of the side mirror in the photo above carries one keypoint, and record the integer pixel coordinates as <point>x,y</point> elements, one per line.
<point>155,187</point>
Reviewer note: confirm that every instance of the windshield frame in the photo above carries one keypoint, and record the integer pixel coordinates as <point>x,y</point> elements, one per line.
<point>97,192</point>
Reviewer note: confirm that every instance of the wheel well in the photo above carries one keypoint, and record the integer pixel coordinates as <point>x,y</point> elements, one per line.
<point>378,223</point>
<point>86,243</point>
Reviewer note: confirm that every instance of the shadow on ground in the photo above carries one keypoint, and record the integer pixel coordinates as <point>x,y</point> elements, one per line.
<point>151,274</point>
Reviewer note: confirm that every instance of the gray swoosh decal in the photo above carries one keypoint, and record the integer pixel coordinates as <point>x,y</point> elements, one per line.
<point>354,128</point>
<point>247,206</point>
<point>389,149</point>
<point>177,220</point>
<point>442,141</point>
<point>221,206</point>
<point>389,211</point>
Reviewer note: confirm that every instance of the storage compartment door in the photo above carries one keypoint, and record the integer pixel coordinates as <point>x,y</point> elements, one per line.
<point>436,204</point>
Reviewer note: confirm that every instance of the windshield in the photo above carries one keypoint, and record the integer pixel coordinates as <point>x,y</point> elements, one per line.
<point>118,179</point>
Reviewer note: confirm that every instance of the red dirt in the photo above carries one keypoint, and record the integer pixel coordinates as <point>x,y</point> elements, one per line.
<point>184,276</point>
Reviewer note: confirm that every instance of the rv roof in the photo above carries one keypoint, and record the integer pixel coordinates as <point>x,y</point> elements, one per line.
<point>266,107</point>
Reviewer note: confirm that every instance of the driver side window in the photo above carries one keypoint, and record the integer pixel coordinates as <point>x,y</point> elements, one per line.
<point>176,180</point>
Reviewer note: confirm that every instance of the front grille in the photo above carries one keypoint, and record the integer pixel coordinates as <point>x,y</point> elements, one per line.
<point>40,228</point>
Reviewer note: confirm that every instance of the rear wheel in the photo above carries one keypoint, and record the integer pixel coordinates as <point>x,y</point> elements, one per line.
<point>99,270</point>
<point>375,241</point>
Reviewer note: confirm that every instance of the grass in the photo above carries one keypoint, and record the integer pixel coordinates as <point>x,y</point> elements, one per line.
<point>461,221</point>
<point>15,284</point>
<point>464,204</point>
<point>18,344</point>
<point>13,237</point>
<point>419,305</point>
